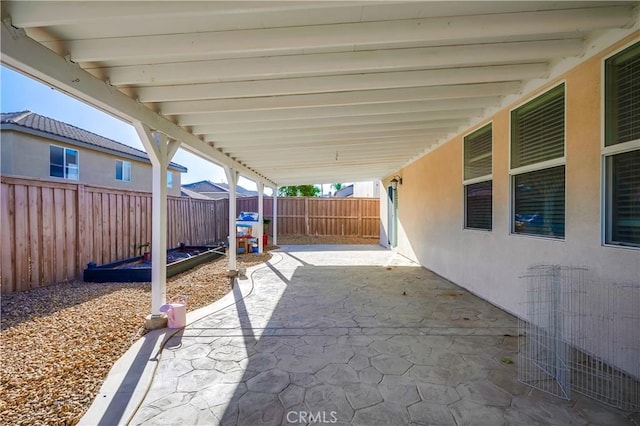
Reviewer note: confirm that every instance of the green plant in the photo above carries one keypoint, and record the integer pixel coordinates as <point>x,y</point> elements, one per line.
<point>140,246</point>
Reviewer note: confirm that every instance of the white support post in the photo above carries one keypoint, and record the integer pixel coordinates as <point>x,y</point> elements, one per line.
<point>232,179</point>
<point>260,218</point>
<point>275,216</point>
<point>160,150</point>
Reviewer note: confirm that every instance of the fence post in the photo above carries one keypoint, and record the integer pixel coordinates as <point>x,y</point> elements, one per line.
<point>359,208</point>
<point>81,230</point>
<point>306,215</point>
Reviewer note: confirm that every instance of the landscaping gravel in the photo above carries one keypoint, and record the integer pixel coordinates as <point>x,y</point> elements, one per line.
<point>58,343</point>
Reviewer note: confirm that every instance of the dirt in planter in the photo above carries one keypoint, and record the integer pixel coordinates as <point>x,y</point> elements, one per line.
<point>58,343</point>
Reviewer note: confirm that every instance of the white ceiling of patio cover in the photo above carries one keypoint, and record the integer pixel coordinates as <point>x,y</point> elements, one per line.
<point>304,92</point>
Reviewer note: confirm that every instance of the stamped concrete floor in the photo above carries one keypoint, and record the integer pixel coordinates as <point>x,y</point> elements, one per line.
<point>351,335</point>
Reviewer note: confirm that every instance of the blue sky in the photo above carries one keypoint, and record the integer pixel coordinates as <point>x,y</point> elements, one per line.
<point>19,93</point>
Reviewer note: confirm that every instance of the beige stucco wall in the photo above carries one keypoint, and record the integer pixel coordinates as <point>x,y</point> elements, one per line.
<point>490,263</point>
<point>28,156</point>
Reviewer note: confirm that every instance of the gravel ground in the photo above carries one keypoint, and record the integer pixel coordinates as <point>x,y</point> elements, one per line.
<point>58,343</point>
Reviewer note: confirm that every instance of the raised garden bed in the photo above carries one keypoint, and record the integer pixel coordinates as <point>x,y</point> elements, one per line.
<point>135,269</point>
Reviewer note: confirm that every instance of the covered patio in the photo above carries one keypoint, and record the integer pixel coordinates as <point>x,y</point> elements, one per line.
<point>288,93</point>
<point>346,335</point>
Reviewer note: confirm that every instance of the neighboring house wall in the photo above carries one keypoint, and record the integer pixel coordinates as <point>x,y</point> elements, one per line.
<point>491,263</point>
<point>28,155</point>
<point>369,189</point>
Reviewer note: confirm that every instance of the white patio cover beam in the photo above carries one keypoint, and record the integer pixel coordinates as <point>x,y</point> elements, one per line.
<point>351,36</point>
<point>342,83</point>
<point>399,135</point>
<point>295,66</point>
<point>461,91</point>
<point>23,54</point>
<point>160,150</point>
<point>232,128</point>
<point>312,113</point>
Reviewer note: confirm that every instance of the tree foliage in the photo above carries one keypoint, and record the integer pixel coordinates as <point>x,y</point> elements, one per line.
<point>337,186</point>
<point>299,191</point>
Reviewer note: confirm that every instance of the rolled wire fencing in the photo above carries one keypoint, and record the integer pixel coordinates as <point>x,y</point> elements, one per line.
<point>580,335</point>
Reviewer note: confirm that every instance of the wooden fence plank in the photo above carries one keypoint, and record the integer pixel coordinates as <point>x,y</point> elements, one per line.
<point>59,233</point>
<point>81,227</point>
<point>21,237</point>
<point>48,247</point>
<point>71,238</point>
<point>8,239</point>
<point>35,254</point>
<point>97,255</point>
<point>113,225</point>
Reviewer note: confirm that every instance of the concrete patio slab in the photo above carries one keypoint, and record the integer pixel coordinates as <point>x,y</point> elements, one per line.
<point>348,335</point>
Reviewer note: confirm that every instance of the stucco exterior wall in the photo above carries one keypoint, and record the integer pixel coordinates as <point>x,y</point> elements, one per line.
<point>490,263</point>
<point>28,156</point>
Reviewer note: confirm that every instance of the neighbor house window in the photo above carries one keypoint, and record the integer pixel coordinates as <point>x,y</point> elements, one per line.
<point>477,182</point>
<point>123,170</point>
<point>169,180</point>
<point>538,165</point>
<point>63,162</point>
<point>622,147</point>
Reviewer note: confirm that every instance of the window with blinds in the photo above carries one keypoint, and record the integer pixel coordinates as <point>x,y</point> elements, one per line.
<point>479,200</point>
<point>477,153</point>
<point>537,129</point>
<point>539,202</point>
<point>622,99</point>
<point>478,185</point>
<point>538,184</point>
<point>622,147</point>
<point>624,187</point>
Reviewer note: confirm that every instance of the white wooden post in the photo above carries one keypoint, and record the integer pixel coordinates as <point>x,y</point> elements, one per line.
<point>275,216</point>
<point>232,179</point>
<point>160,150</point>
<point>260,218</point>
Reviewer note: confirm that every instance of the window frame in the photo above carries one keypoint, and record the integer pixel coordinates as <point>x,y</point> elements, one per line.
<point>123,168</point>
<point>64,162</point>
<point>607,152</point>
<point>478,179</point>
<point>542,165</point>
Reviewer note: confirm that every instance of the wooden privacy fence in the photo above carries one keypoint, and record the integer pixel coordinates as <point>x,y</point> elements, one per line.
<point>320,216</point>
<point>51,230</point>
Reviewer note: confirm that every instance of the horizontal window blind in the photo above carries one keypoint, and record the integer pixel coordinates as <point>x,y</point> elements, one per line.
<point>477,153</point>
<point>622,82</point>
<point>537,129</point>
<point>624,200</point>
<point>539,202</point>
<point>479,202</point>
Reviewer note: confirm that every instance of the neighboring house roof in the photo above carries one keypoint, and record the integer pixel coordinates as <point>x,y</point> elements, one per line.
<point>193,194</point>
<point>30,122</point>
<point>345,192</point>
<point>209,188</point>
